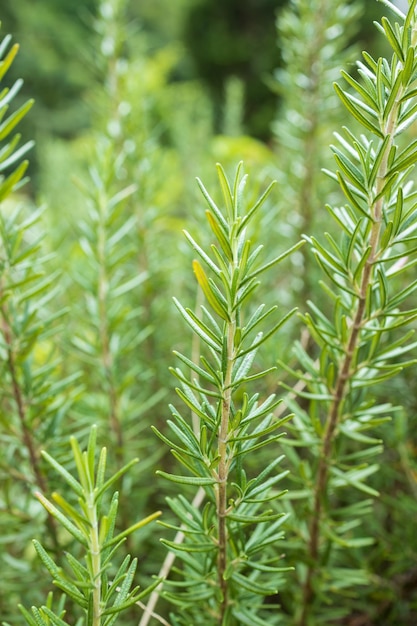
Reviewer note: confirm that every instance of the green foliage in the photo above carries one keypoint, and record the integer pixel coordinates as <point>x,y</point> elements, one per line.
<point>106,270</point>
<point>240,43</point>
<point>59,105</point>
<point>10,152</point>
<point>359,331</point>
<point>225,553</point>
<point>257,527</point>
<point>32,398</point>
<point>101,594</point>
<point>314,38</point>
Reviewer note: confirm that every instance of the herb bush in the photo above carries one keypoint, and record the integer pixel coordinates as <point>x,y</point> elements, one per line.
<point>285,486</point>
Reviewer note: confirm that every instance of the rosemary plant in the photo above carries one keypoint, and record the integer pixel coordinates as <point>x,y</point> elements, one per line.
<point>110,322</point>
<point>32,398</point>
<point>100,593</point>
<point>230,508</point>
<point>109,334</point>
<point>314,37</point>
<point>358,328</point>
<point>228,566</point>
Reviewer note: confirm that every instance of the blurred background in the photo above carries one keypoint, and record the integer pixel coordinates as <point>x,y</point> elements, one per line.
<point>204,42</point>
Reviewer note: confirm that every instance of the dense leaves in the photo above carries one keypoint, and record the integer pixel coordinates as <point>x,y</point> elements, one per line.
<point>100,292</point>
<point>224,550</point>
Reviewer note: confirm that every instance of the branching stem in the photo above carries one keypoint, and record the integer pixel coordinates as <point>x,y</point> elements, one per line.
<point>345,373</point>
<point>27,434</point>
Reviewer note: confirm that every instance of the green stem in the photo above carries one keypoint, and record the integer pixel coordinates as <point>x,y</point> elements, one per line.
<point>224,464</point>
<point>95,553</point>
<point>306,186</point>
<point>106,356</point>
<point>223,453</point>
<point>196,352</point>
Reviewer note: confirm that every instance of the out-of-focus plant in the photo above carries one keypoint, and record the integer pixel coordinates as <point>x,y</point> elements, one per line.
<point>123,258</point>
<point>314,38</point>
<point>60,106</point>
<point>98,591</point>
<point>109,321</point>
<point>32,402</point>
<point>358,328</point>
<point>240,42</point>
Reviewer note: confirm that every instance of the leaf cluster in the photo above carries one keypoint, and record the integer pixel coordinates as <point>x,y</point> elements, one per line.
<point>358,328</point>
<point>35,393</point>
<point>100,593</point>
<point>12,169</point>
<point>232,424</point>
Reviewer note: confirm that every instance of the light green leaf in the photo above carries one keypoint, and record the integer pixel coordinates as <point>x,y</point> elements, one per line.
<point>212,299</point>
<point>199,481</point>
<point>355,111</point>
<point>7,126</point>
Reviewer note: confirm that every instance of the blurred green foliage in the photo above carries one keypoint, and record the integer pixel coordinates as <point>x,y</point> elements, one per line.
<point>50,59</point>
<point>58,53</point>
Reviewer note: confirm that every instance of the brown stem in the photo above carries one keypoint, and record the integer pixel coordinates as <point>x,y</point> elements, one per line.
<point>344,375</point>
<point>27,434</point>
<point>325,456</point>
